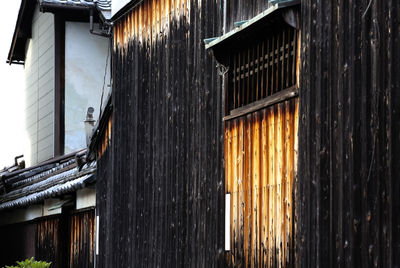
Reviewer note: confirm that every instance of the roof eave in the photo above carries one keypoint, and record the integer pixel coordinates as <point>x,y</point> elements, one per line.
<point>218,41</point>
<point>21,12</point>
<point>51,6</point>
<point>103,13</point>
<point>124,9</point>
<point>24,20</point>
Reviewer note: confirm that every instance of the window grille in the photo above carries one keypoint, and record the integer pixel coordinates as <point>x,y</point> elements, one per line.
<point>261,67</point>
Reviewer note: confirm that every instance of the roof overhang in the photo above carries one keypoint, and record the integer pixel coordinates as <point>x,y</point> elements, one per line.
<point>56,177</point>
<point>22,32</point>
<point>117,5</point>
<point>70,10</point>
<point>71,7</point>
<point>123,8</point>
<point>282,11</point>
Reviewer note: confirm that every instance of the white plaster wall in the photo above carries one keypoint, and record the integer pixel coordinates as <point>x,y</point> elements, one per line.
<point>39,89</point>
<point>85,198</point>
<point>85,66</point>
<point>48,203</point>
<point>21,215</point>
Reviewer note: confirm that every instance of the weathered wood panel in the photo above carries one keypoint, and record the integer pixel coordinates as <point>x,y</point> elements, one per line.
<point>105,138</point>
<point>162,194</point>
<point>48,246</point>
<point>104,195</point>
<point>65,240</point>
<point>82,239</point>
<point>348,186</point>
<point>260,158</point>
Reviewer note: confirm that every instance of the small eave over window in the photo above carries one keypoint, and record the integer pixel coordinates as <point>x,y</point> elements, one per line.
<point>280,10</point>
<point>259,59</point>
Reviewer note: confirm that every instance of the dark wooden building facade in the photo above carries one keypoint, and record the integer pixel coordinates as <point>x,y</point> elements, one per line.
<point>160,187</point>
<point>302,132</point>
<point>347,190</point>
<point>66,240</point>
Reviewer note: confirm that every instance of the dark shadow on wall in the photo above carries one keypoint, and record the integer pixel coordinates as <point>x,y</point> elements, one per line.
<point>17,242</point>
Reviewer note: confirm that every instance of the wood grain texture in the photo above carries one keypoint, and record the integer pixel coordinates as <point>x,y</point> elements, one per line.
<point>48,247</point>
<point>260,152</point>
<point>160,182</point>
<point>162,196</point>
<point>82,239</point>
<point>347,189</point>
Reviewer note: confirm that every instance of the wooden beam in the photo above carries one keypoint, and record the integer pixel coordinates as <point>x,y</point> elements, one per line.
<point>268,101</point>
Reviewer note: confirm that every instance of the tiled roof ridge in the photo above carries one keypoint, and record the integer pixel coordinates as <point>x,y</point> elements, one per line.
<point>49,182</point>
<point>43,174</point>
<point>54,185</point>
<point>59,189</point>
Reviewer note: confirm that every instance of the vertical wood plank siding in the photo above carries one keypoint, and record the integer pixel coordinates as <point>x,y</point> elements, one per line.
<point>260,167</point>
<point>162,194</point>
<point>160,184</point>
<point>105,138</point>
<point>163,191</point>
<point>48,246</point>
<point>104,208</point>
<point>82,239</point>
<point>348,185</point>
<point>67,240</point>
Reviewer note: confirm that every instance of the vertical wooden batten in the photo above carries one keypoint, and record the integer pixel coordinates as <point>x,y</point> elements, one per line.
<point>261,128</point>
<point>347,214</point>
<point>59,93</point>
<point>160,193</point>
<point>260,158</point>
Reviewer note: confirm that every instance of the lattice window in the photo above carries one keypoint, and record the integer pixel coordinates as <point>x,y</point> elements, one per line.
<point>262,66</point>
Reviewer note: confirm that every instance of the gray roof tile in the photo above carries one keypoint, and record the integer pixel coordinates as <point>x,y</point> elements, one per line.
<point>104,6</point>
<point>42,182</point>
